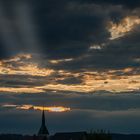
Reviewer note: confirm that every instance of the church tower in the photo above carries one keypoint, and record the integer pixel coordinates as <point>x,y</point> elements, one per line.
<point>43,131</point>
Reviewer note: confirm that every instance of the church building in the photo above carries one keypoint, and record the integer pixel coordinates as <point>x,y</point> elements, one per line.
<point>43,131</point>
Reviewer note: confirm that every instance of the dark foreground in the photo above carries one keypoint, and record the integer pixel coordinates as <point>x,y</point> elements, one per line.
<point>72,136</point>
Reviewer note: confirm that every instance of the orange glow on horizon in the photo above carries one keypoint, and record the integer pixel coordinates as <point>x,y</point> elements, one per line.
<point>49,109</point>
<point>52,109</point>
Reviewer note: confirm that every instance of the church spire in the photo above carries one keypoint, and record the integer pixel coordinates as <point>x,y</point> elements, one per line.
<point>43,118</point>
<point>43,131</point>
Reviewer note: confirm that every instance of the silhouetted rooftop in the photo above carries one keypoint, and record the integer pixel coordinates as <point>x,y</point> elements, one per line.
<point>70,136</point>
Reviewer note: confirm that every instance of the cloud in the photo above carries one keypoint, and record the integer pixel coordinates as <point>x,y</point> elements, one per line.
<point>75,30</point>
<point>124,27</point>
<point>21,74</point>
<point>102,101</point>
<point>126,3</point>
<point>32,107</point>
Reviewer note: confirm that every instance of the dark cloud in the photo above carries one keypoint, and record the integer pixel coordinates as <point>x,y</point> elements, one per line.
<point>19,81</point>
<point>117,54</point>
<point>103,100</point>
<point>66,29</point>
<point>70,31</point>
<point>126,3</point>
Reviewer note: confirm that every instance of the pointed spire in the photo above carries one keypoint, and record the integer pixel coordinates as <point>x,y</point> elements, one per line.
<point>43,118</point>
<point>43,131</point>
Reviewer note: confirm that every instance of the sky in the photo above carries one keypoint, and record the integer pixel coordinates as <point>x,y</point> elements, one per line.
<point>79,59</point>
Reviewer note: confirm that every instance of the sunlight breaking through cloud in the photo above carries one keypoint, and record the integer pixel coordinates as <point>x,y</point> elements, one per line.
<point>42,79</point>
<point>21,65</point>
<point>61,60</point>
<point>127,24</point>
<point>20,90</point>
<point>29,107</point>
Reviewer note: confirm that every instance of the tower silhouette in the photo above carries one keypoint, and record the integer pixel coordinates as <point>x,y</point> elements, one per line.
<point>43,131</point>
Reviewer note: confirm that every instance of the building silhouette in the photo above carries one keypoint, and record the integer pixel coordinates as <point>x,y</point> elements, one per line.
<point>43,134</point>
<point>43,131</point>
<point>70,136</point>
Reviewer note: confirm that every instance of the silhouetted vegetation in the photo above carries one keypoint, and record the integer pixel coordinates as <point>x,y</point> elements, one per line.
<point>99,135</point>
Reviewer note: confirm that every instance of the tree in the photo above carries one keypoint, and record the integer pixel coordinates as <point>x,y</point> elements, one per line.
<point>99,135</point>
